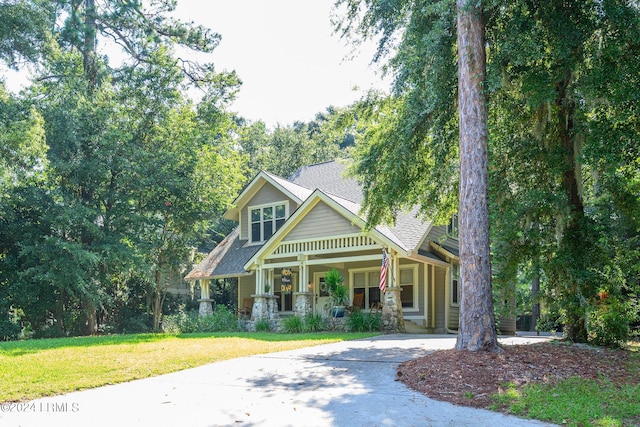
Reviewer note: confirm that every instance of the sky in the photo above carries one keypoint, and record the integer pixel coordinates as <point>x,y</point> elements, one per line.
<point>285,53</point>
<point>291,64</point>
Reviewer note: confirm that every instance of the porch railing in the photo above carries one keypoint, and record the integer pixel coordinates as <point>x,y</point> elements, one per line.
<point>350,243</point>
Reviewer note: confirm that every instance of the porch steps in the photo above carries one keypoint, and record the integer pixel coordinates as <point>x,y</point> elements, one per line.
<point>413,328</point>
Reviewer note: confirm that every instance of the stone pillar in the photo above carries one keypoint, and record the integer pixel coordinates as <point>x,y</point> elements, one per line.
<point>302,306</point>
<point>206,306</point>
<point>265,307</point>
<point>392,318</point>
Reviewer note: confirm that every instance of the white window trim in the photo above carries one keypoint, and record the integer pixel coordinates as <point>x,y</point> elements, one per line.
<point>264,205</point>
<point>365,270</point>
<point>415,284</point>
<point>454,304</point>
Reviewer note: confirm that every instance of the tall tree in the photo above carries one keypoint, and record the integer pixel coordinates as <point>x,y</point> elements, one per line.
<point>119,150</point>
<point>410,155</point>
<point>560,142</point>
<point>477,330</point>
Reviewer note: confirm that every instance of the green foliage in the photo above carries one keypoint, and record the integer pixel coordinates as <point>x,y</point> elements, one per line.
<point>221,320</point>
<point>361,321</point>
<point>338,292</point>
<point>262,325</point>
<point>609,323</point>
<point>310,323</point>
<point>285,149</point>
<point>314,323</point>
<point>293,324</point>
<point>562,138</point>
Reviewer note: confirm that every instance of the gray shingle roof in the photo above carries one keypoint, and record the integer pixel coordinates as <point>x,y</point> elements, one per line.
<point>230,256</point>
<point>297,190</point>
<point>226,260</point>
<point>329,177</point>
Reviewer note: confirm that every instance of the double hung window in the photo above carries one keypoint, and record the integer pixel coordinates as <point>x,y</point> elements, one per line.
<point>266,220</point>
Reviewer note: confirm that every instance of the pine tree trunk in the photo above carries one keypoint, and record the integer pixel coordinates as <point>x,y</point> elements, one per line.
<point>477,330</point>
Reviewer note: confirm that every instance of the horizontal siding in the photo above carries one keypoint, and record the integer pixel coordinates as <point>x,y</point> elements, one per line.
<point>454,317</point>
<point>439,283</point>
<point>266,195</point>
<point>246,287</point>
<point>321,221</point>
<point>438,234</point>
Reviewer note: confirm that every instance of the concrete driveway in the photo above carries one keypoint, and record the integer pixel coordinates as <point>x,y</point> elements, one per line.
<point>343,384</point>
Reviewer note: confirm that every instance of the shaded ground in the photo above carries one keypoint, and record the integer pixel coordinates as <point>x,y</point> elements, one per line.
<point>469,379</point>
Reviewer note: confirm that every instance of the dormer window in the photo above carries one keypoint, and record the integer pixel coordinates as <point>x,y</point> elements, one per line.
<point>266,220</point>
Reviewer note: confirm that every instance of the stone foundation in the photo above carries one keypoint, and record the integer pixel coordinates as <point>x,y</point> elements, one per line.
<point>302,306</point>
<point>206,307</point>
<point>392,318</point>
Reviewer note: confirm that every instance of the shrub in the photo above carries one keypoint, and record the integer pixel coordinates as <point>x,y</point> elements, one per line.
<point>262,325</point>
<point>314,323</point>
<point>360,321</point>
<point>293,324</point>
<point>222,319</point>
<point>609,324</point>
<point>9,330</point>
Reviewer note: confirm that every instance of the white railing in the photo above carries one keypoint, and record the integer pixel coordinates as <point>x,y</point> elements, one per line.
<point>356,242</point>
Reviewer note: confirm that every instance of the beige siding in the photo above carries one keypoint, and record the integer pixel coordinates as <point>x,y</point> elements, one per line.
<point>438,234</point>
<point>440,275</point>
<point>454,317</point>
<point>246,287</point>
<point>321,221</point>
<point>266,195</point>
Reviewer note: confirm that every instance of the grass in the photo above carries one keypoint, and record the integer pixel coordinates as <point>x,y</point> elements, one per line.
<point>36,368</point>
<point>578,401</point>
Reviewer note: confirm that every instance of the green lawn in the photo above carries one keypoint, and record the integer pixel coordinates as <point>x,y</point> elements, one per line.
<point>35,368</point>
<point>580,402</point>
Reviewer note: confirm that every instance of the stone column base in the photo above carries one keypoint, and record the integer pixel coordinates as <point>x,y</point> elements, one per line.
<point>302,305</point>
<point>392,317</point>
<point>206,307</point>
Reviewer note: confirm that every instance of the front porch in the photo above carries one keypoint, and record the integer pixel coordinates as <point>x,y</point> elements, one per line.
<point>289,280</point>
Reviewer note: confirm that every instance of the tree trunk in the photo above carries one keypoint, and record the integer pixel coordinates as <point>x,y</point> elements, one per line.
<point>535,291</point>
<point>477,330</point>
<point>575,235</point>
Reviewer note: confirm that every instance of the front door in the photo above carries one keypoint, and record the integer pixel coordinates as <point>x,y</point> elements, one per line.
<point>321,294</point>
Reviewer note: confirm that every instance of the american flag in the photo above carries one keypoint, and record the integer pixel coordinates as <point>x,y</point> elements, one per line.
<point>383,271</point>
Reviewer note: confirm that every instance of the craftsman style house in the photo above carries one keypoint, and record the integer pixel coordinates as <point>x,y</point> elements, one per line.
<point>292,231</point>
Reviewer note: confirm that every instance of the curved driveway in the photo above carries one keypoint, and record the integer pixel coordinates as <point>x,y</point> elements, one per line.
<point>342,384</point>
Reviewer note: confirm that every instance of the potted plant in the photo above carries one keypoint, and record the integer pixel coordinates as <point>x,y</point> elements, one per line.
<point>338,292</point>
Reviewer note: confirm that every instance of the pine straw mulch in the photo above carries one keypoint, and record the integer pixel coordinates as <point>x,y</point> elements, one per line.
<point>470,379</point>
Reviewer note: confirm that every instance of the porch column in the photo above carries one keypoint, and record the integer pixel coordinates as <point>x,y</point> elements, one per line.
<point>392,317</point>
<point>304,295</point>
<point>206,308</point>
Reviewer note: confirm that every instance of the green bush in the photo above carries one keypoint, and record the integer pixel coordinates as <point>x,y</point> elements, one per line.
<point>314,323</point>
<point>609,324</point>
<point>9,330</point>
<point>293,324</point>
<point>360,321</point>
<point>222,319</point>
<point>262,325</point>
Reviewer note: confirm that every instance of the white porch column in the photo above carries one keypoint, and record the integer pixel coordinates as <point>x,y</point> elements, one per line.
<point>303,285</point>
<point>303,296</point>
<point>259,280</point>
<point>206,308</point>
